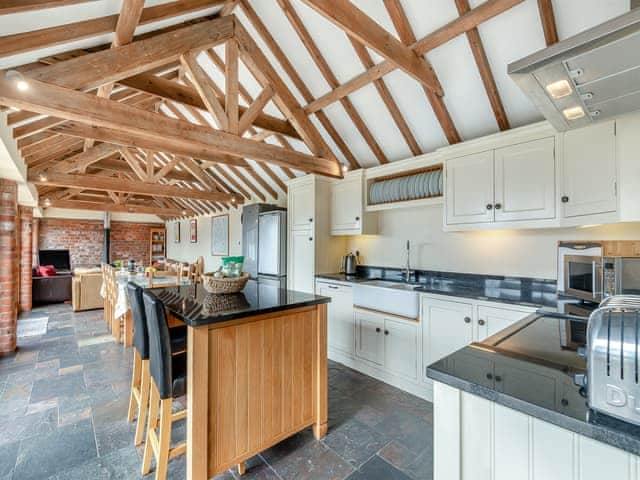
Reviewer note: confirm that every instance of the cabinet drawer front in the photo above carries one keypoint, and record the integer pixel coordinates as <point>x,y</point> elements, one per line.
<point>493,319</point>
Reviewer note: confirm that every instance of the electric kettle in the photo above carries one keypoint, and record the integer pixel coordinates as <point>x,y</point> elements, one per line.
<point>348,263</point>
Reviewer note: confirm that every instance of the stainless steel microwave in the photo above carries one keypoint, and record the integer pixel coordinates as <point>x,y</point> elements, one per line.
<point>583,277</point>
<point>621,276</point>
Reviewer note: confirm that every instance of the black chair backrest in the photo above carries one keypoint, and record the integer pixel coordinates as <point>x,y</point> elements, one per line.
<point>140,332</point>
<point>159,344</point>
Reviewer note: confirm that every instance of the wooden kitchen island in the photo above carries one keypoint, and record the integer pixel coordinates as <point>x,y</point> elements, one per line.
<point>256,374</point>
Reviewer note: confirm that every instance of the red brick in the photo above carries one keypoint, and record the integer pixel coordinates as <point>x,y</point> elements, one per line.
<point>9,264</point>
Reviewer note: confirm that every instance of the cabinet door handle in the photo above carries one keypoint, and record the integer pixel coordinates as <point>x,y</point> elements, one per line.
<point>386,332</point>
<point>565,199</point>
<point>377,329</point>
<point>357,219</point>
<point>310,239</point>
<point>498,206</point>
<point>498,378</point>
<point>467,319</point>
<point>481,322</point>
<point>489,376</point>
<point>489,206</point>
<point>333,287</point>
<point>311,220</point>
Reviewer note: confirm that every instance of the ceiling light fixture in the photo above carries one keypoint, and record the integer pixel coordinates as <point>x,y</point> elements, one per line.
<point>184,212</point>
<point>559,89</point>
<point>43,177</point>
<point>573,113</point>
<point>345,168</point>
<point>17,78</point>
<point>47,202</point>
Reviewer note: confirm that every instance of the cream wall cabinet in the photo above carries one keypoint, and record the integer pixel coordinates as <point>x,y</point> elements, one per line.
<point>589,170</point>
<point>302,265</point>
<point>341,326</point>
<point>508,184</point>
<point>348,216</point>
<point>475,438</point>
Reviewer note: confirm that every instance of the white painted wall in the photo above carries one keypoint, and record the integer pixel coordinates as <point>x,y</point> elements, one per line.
<point>76,214</point>
<point>188,252</point>
<point>528,253</point>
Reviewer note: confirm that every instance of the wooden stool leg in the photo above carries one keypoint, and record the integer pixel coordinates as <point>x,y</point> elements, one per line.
<point>154,401</point>
<point>128,329</point>
<point>164,440</point>
<point>143,406</point>
<point>135,386</point>
<point>116,329</point>
<point>242,468</point>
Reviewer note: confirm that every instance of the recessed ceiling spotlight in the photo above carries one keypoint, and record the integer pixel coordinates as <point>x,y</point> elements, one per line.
<point>47,202</point>
<point>43,177</point>
<point>184,212</point>
<point>559,89</point>
<point>345,168</point>
<point>573,113</point>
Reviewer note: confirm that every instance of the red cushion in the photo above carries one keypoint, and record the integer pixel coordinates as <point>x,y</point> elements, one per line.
<point>47,271</point>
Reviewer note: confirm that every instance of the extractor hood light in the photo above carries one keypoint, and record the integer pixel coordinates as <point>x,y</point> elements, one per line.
<point>573,113</point>
<point>559,89</point>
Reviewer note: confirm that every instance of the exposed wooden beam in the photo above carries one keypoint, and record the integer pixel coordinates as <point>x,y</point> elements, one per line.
<point>480,56</point>
<point>405,32</point>
<point>112,207</point>
<point>115,165</point>
<point>165,133</point>
<point>189,96</point>
<point>228,7</point>
<point>451,30</point>
<point>327,73</point>
<point>134,163</point>
<point>250,114</point>
<point>231,86</point>
<point>83,160</point>
<point>367,31</point>
<point>203,84</point>
<point>48,37</point>
<point>110,184</point>
<point>106,66</point>
<point>15,6</point>
<point>291,72</point>
<point>191,166</point>
<point>255,60</point>
<point>387,98</point>
<point>548,21</point>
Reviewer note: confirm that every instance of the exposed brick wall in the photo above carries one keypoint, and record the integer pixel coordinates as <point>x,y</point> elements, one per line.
<point>8,264</point>
<point>26,256</point>
<point>84,239</point>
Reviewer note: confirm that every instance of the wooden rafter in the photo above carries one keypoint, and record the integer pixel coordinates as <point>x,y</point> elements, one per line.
<point>405,32</point>
<point>110,184</point>
<point>250,114</point>
<point>105,66</point>
<point>118,207</point>
<point>15,6</point>
<point>231,86</point>
<point>331,79</point>
<point>462,24</point>
<point>81,161</point>
<point>291,72</point>
<point>545,7</point>
<point>480,56</point>
<point>152,127</point>
<point>367,31</point>
<point>47,37</point>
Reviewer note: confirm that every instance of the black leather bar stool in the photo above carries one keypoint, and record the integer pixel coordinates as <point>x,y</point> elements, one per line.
<point>168,381</point>
<point>141,377</point>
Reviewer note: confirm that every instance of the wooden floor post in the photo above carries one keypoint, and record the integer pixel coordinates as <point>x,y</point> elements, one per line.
<point>321,374</point>
<point>197,403</point>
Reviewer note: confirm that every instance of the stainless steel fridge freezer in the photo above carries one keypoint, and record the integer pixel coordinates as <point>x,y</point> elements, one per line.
<point>250,216</point>
<point>272,243</point>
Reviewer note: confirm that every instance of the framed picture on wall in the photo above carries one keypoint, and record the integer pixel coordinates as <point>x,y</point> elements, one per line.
<point>220,235</point>
<point>193,227</point>
<point>176,232</point>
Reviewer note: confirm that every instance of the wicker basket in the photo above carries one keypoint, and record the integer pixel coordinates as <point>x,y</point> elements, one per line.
<point>224,285</point>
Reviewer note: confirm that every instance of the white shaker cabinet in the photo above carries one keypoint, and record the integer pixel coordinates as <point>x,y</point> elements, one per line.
<point>369,336</point>
<point>525,181</point>
<point>493,319</point>
<point>341,327</point>
<point>401,348</point>
<point>301,211</point>
<point>469,189</point>
<point>589,170</point>
<point>348,216</point>
<point>448,327</point>
<point>302,268</point>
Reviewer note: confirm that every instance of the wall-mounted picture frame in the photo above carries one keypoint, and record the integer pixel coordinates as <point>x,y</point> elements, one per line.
<point>193,230</point>
<point>176,232</point>
<point>220,235</point>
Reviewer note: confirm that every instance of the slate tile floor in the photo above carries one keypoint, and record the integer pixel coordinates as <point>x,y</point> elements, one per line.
<point>64,397</point>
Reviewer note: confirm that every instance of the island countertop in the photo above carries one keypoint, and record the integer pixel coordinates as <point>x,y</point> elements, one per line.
<point>197,307</point>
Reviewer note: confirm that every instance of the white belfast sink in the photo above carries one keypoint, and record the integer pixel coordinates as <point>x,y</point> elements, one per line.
<point>389,297</point>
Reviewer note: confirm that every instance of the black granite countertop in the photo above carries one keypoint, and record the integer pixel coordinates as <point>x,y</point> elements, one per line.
<point>530,292</point>
<point>530,367</point>
<point>196,307</point>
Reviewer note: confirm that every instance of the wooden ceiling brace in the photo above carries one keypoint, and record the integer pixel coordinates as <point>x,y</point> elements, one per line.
<point>291,72</point>
<point>231,86</point>
<point>15,6</point>
<point>545,7</point>
<point>462,24</point>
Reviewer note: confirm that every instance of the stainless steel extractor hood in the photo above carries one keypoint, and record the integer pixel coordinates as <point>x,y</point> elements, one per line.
<point>586,78</point>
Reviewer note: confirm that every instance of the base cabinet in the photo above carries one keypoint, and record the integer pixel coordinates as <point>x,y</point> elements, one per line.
<point>340,320</point>
<point>476,439</point>
<point>369,337</point>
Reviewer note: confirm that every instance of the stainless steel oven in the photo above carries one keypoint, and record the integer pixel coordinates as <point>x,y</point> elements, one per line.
<point>583,277</point>
<point>621,276</point>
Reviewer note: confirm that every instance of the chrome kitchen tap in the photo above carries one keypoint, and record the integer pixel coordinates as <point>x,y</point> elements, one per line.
<point>407,271</point>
